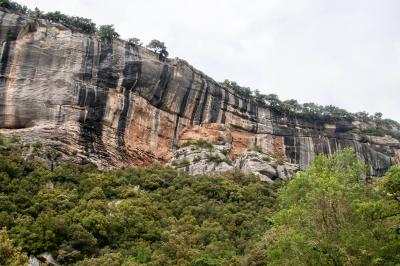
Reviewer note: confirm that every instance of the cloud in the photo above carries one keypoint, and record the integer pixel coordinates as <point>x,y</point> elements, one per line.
<point>345,53</point>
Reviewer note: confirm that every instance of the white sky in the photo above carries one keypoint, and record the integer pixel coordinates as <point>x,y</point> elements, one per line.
<point>343,52</point>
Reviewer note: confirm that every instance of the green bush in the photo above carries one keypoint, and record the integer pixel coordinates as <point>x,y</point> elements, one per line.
<point>200,143</point>
<point>329,215</point>
<point>218,159</point>
<point>180,163</point>
<point>107,32</point>
<point>256,148</point>
<point>374,132</point>
<point>160,216</point>
<point>152,215</point>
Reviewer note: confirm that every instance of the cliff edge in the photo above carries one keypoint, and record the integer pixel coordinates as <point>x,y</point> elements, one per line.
<point>117,105</point>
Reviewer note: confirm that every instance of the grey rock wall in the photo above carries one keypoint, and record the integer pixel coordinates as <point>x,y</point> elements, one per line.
<point>117,105</point>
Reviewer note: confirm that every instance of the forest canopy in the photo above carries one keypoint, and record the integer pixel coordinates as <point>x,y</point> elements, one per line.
<point>327,215</point>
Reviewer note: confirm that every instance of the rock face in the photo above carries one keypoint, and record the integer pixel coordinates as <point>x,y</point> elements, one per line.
<point>197,161</point>
<point>117,105</point>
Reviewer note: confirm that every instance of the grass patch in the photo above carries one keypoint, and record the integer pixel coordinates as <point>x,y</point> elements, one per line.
<point>200,143</point>
<point>180,164</point>
<point>256,148</point>
<point>218,159</point>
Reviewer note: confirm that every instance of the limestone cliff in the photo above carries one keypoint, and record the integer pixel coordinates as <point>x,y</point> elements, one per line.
<point>117,105</point>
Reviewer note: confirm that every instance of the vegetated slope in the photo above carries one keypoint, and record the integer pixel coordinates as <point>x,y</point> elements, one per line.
<point>152,215</point>
<point>327,215</point>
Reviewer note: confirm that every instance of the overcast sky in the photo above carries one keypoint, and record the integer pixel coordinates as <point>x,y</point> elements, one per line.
<point>343,52</point>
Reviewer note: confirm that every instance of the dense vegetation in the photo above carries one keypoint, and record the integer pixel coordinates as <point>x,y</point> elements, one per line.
<point>154,215</point>
<point>327,215</point>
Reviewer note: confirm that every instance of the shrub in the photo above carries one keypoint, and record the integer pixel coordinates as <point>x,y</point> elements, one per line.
<point>134,41</point>
<point>200,143</point>
<point>107,32</point>
<point>156,46</point>
<point>256,148</point>
<point>374,132</point>
<point>180,164</point>
<point>218,159</point>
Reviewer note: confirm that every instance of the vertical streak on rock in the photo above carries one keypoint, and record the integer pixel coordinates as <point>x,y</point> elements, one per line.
<point>215,106</point>
<point>182,109</point>
<point>243,106</point>
<point>88,61</point>
<point>225,105</point>
<point>162,87</point>
<point>5,52</point>
<point>254,119</point>
<point>95,100</point>
<point>3,93</point>
<point>154,129</point>
<point>5,59</point>
<point>10,109</point>
<point>199,95</point>
<point>237,102</point>
<point>290,148</point>
<point>329,146</point>
<point>131,76</point>
<point>122,119</point>
<point>203,102</point>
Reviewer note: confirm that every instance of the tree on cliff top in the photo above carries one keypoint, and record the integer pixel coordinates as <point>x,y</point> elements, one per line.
<point>134,41</point>
<point>107,32</point>
<point>156,46</point>
<point>159,48</point>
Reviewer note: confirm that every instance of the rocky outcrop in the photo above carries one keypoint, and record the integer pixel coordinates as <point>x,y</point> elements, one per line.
<point>43,259</point>
<point>212,160</point>
<point>117,105</point>
<point>197,160</point>
<point>265,166</point>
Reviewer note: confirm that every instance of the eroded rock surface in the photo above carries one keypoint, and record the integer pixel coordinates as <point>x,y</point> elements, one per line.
<point>117,105</point>
<point>214,160</point>
<point>197,161</point>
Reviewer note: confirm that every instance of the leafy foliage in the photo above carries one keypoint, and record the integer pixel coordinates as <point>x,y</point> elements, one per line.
<point>152,216</point>
<point>218,159</point>
<point>9,254</point>
<point>134,41</point>
<point>156,46</point>
<point>256,148</point>
<point>329,215</point>
<point>308,111</point>
<point>107,32</point>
